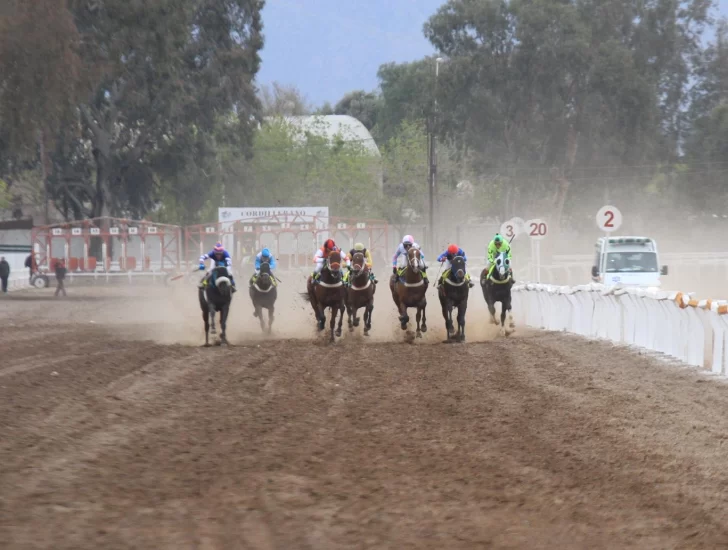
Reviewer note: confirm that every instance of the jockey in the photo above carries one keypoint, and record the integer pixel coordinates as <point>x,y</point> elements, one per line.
<point>452,251</point>
<point>323,253</point>
<point>495,247</point>
<point>359,247</point>
<point>407,242</point>
<point>218,255</point>
<point>263,256</point>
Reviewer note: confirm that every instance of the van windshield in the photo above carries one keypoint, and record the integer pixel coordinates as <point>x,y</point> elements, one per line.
<point>625,262</point>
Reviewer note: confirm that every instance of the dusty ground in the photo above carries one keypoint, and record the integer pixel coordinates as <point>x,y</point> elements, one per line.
<point>118,431</point>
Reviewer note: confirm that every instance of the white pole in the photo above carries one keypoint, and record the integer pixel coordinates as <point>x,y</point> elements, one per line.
<point>538,262</point>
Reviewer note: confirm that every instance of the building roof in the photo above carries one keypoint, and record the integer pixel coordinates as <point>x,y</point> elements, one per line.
<point>346,127</point>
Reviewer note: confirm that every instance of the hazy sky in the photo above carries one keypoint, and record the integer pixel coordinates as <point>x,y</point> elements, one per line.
<point>330,47</point>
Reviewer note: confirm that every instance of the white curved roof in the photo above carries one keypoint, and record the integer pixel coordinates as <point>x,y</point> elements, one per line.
<point>332,126</point>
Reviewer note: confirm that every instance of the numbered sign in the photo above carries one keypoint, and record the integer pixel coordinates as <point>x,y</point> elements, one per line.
<point>609,218</point>
<point>114,230</point>
<point>340,226</point>
<point>56,231</point>
<point>76,231</point>
<point>361,226</point>
<point>95,231</point>
<point>512,228</point>
<point>151,229</point>
<point>537,229</point>
<point>133,231</point>
<point>265,228</point>
<point>247,229</point>
<point>304,227</point>
<point>210,230</point>
<point>285,226</point>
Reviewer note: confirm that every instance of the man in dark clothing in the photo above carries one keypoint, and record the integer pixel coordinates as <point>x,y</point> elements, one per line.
<point>4,274</point>
<point>60,276</point>
<point>29,266</point>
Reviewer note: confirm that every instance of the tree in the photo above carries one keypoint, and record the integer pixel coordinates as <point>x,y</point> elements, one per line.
<point>168,73</point>
<point>361,105</point>
<point>283,100</point>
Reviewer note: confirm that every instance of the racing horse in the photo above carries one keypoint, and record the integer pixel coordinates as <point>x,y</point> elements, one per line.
<point>263,293</point>
<point>360,293</point>
<point>411,290</point>
<point>328,292</point>
<point>453,293</point>
<point>497,288</point>
<point>216,297</point>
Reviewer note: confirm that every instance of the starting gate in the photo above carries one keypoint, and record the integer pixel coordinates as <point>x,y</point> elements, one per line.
<point>108,245</point>
<point>293,239</point>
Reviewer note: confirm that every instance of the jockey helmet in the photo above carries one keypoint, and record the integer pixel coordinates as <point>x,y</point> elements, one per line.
<point>498,239</point>
<point>408,240</point>
<point>265,253</point>
<point>329,244</point>
<point>453,249</point>
<point>219,249</point>
<point>358,247</point>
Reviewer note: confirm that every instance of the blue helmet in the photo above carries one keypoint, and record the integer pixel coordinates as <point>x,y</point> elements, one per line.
<point>265,253</point>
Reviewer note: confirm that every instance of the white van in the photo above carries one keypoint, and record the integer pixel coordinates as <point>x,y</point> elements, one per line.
<point>627,261</point>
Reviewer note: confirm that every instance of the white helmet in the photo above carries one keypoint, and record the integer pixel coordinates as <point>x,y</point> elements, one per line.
<point>408,239</point>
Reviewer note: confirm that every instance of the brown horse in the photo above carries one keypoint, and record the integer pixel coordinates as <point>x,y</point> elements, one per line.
<point>360,293</point>
<point>329,292</point>
<point>412,292</point>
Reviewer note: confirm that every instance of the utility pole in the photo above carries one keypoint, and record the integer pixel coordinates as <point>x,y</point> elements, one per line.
<point>432,158</point>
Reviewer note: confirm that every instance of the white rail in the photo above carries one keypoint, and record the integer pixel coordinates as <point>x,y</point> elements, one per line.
<point>692,331</point>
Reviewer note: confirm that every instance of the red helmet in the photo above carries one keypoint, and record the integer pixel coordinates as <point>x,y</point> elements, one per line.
<point>453,249</point>
<point>330,244</point>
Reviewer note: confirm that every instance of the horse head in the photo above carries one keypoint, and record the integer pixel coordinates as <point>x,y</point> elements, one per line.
<point>264,275</point>
<point>333,264</point>
<point>220,279</point>
<point>502,266</point>
<point>358,263</point>
<point>457,269</point>
<point>414,259</point>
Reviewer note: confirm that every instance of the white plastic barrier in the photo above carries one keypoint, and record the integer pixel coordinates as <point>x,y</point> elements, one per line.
<point>693,331</point>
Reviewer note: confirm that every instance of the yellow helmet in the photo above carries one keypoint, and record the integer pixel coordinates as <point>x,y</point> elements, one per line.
<point>359,247</point>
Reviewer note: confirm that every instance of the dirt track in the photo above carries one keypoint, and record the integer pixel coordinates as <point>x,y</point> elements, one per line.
<point>122,435</point>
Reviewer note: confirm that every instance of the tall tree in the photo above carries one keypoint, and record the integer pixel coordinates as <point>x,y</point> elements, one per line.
<point>361,105</point>
<point>283,100</point>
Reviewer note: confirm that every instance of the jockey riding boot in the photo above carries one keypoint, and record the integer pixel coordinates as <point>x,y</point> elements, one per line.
<point>471,284</point>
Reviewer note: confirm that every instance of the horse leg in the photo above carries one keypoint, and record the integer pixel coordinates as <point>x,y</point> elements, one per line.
<point>206,319</point>
<point>342,308</point>
<point>259,314</point>
<point>349,317</point>
<point>403,318</point>
<point>212,318</point>
<point>271,316</point>
<point>419,318</point>
<point>332,324</point>
<point>504,331</point>
<point>424,314</point>
<point>223,324</point>
<point>321,317</point>
<point>462,308</point>
<point>368,317</point>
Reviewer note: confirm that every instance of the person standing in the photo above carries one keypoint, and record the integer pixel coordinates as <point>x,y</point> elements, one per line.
<point>4,274</point>
<point>60,276</point>
<point>29,265</point>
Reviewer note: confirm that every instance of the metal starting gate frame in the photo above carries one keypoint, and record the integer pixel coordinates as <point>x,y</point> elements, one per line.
<point>126,246</point>
<point>293,239</point>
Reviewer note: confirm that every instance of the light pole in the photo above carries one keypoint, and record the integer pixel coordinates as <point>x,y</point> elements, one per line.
<point>432,154</point>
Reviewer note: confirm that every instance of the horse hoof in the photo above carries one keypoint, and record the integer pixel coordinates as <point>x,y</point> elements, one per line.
<point>403,326</point>
<point>424,328</point>
<point>419,334</point>
<point>255,314</point>
<point>356,322</point>
<point>213,331</point>
<point>207,345</point>
<point>338,332</point>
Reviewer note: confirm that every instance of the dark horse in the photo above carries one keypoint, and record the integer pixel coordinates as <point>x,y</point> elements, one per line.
<point>329,292</point>
<point>454,294</point>
<point>411,292</point>
<point>263,293</point>
<point>497,288</point>
<point>360,293</point>
<point>216,296</point>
